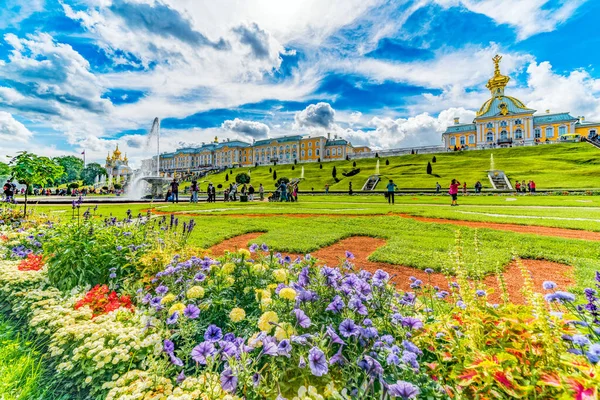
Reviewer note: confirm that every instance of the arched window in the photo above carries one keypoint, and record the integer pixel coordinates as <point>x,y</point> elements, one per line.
<point>309,152</point>
<point>302,145</point>
<point>562,130</point>
<point>462,141</point>
<point>503,124</point>
<point>592,133</point>
<point>490,125</point>
<point>518,134</point>
<point>302,153</point>
<point>490,137</point>
<point>549,132</point>
<point>538,133</point>
<point>317,152</point>
<point>503,135</point>
<point>471,139</point>
<point>334,151</point>
<point>327,152</point>
<point>453,141</point>
<point>517,122</point>
<point>309,144</point>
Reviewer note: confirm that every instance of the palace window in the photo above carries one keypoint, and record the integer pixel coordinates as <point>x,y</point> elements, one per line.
<point>472,139</point>
<point>462,141</point>
<point>452,141</point>
<point>562,130</point>
<point>302,153</point>
<point>490,137</point>
<point>309,144</point>
<point>333,151</point>
<point>518,134</point>
<point>549,132</point>
<point>518,122</point>
<point>538,133</point>
<point>503,135</point>
<point>490,125</point>
<point>309,152</point>
<point>593,133</point>
<point>302,145</point>
<point>503,124</point>
<point>327,152</point>
<point>317,152</point>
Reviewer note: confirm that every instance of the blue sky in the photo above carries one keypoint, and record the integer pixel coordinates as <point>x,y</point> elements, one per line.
<point>87,74</point>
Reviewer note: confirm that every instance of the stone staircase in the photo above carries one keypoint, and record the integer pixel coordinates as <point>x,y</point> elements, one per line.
<point>595,143</point>
<point>371,183</point>
<point>499,180</point>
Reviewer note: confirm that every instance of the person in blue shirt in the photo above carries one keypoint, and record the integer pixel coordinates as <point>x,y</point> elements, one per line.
<point>283,190</point>
<point>391,187</point>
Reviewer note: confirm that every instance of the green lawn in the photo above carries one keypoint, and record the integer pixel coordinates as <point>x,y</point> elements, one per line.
<point>569,165</point>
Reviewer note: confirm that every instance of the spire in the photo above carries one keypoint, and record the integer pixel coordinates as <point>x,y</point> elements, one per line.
<point>498,82</point>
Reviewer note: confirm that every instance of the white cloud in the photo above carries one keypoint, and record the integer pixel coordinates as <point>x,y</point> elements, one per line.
<point>252,129</point>
<point>12,130</point>
<point>529,17</point>
<point>13,12</point>
<point>320,116</point>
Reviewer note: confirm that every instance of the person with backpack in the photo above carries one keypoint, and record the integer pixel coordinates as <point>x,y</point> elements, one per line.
<point>391,187</point>
<point>453,191</point>
<point>8,190</point>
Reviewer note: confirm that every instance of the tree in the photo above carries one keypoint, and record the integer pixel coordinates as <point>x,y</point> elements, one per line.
<point>347,157</point>
<point>429,168</point>
<point>242,178</point>
<point>387,162</point>
<point>73,167</point>
<point>334,173</point>
<point>270,169</point>
<point>433,160</point>
<point>28,169</point>
<point>226,177</point>
<point>4,169</point>
<point>90,172</point>
<point>295,162</point>
<point>354,164</point>
<point>274,175</point>
<point>293,167</point>
<point>376,155</point>
<point>320,166</point>
<point>319,159</point>
<point>256,164</point>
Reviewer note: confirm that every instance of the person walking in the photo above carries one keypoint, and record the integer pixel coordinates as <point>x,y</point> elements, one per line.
<point>194,189</point>
<point>261,192</point>
<point>213,193</point>
<point>391,187</point>
<point>282,192</point>
<point>532,187</point>
<point>295,193</point>
<point>453,191</point>
<point>464,188</point>
<point>175,190</point>
<point>251,192</point>
<point>478,187</point>
<point>438,187</point>
<point>523,187</point>
<point>326,189</point>
<point>518,186</point>
<point>8,189</point>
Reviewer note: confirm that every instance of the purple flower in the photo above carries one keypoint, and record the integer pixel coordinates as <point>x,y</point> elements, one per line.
<point>284,348</point>
<point>253,248</point>
<point>403,389</point>
<point>317,362</point>
<point>371,366</point>
<point>428,271</point>
<point>369,332</point>
<point>580,340</point>
<point>302,318</point>
<point>202,351</point>
<point>199,277</point>
<point>349,255</point>
<point>155,301</point>
<point>410,346</point>
<point>392,359</point>
<point>269,346</point>
<point>560,297</point>
<point>173,318</point>
<point>410,358</point>
<point>549,285</point>
<point>162,290</point>
<point>338,358</point>
<point>480,293</point>
<point>442,294</point>
<point>213,333</point>
<point>348,328</point>
<point>256,379</point>
<point>228,380</point>
<point>264,247</point>
<point>357,305</point>
<point>412,323</point>
<point>191,311</point>
<point>146,299</point>
<point>302,362</point>
<point>334,336</point>
<point>181,377</point>
<point>337,305</point>
<point>461,304</point>
<point>175,360</point>
<point>168,346</point>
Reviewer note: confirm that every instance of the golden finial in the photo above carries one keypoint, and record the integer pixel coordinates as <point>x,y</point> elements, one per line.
<point>497,60</point>
<point>498,82</point>
<point>216,139</point>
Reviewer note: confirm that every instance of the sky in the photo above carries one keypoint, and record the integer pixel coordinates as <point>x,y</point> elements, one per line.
<point>86,75</point>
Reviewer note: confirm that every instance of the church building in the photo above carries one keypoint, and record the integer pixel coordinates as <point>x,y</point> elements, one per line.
<point>504,121</point>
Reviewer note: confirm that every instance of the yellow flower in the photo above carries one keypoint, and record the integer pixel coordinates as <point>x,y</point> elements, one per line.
<point>168,299</point>
<point>177,307</point>
<point>253,340</point>
<point>265,303</point>
<point>244,252</point>
<point>280,275</point>
<point>266,321</point>
<point>230,280</point>
<point>262,294</point>
<point>272,286</point>
<point>228,268</point>
<point>284,331</point>
<point>259,268</point>
<point>237,314</point>
<point>288,294</point>
<point>195,292</point>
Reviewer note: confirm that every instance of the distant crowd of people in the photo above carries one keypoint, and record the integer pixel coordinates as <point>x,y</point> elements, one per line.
<point>521,187</point>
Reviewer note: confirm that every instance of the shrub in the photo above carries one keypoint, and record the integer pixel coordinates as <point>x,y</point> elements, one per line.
<point>281,180</point>
<point>274,175</point>
<point>320,166</point>
<point>293,167</point>
<point>334,173</point>
<point>242,178</point>
<point>354,164</point>
<point>74,185</point>
<point>226,177</point>
<point>351,172</point>
<point>429,168</point>
<point>387,162</point>
<point>433,160</point>
<point>118,186</point>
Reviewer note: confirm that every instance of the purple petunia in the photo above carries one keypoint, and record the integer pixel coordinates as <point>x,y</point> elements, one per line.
<point>480,293</point>
<point>213,333</point>
<point>560,297</point>
<point>348,328</point>
<point>191,311</point>
<point>264,247</point>
<point>175,360</point>
<point>168,346</point>
<point>284,348</point>
<point>229,381</point>
<point>253,248</point>
<point>181,377</point>
<point>199,277</point>
<point>302,318</point>
<point>412,323</point>
<point>317,362</point>
<point>403,389</point>
<point>162,290</point>
<point>349,255</point>
<point>302,362</point>
<point>202,351</point>
<point>334,336</point>
<point>336,306</point>
<point>173,318</point>
<point>549,285</point>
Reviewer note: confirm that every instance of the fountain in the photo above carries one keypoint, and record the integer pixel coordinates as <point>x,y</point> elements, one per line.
<point>302,173</point>
<point>492,166</point>
<point>377,168</point>
<point>142,178</point>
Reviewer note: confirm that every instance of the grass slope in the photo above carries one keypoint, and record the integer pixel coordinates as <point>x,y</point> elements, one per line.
<point>569,165</point>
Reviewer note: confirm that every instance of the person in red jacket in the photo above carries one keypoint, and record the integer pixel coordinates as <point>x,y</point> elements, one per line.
<point>453,191</point>
<point>532,187</point>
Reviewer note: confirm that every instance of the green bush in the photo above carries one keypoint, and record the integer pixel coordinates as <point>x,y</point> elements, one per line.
<point>242,178</point>
<point>74,185</point>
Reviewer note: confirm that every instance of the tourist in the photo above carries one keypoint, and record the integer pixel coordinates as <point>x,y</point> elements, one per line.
<point>295,192</point>
<point>532,187</point>
<point>175,190</point>
<point>282,191</point>
<point>226,195</point>
<point>213,193</point>
<point>194,189</point>
<point>478,187</point>
<point>350,188</point>
<point>391,187</point>
<point>438,187</point>
<point>290,198</point>
<point>523,187</point>
<point>518,186</point>
<point>529,186</point>
<point>169,195</point>
<point>261,192</point>
<point>453,191</point>
<point>251,193</point>
<point>8,190</point>
<point>326,189</point>
<point>465,188</point>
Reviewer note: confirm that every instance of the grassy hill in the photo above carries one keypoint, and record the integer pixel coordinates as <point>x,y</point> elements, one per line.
<point>569,165</point>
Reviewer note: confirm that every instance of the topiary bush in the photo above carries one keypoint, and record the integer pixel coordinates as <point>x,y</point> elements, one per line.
<point>242,178</point>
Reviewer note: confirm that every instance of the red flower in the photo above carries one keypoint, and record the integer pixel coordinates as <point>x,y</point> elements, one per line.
<point>102,301</point>
<point>33,262</point>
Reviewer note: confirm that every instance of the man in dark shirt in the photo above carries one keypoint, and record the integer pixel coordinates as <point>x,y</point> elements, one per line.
<point>175,190</point>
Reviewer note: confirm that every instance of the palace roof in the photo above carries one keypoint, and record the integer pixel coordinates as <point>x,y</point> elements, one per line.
<point>502,105</point>
<point>336,142</point>
<point>282,139</point>
<point>552,118</point>
<point>458,128</point>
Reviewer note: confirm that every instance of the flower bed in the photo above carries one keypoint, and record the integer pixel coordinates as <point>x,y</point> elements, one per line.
<point>259,325</point>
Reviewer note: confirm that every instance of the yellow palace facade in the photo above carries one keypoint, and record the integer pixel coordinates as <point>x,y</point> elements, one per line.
<point>504,121</point>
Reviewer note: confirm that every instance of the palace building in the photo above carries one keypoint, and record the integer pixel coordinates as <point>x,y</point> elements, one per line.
<point>504,121</point>
<point>117,166</point>
<point>282,150</point>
